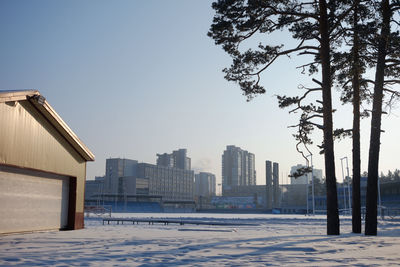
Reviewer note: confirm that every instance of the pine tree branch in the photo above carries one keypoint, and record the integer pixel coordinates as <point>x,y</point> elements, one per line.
<point>395,93</point>
<point>390,82</point>
<point>293,13</point>
<point>309,53</point>
<point>306,65</point>
<point>339,20</point>
<point>315,116</point>
<point>317,82</point>
<point>393,96</point>
<point>319,126</point>
<point>309,90</point>
<point>281,53</point>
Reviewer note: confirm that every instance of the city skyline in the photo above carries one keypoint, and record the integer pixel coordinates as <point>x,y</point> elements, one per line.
<point>136,78</point>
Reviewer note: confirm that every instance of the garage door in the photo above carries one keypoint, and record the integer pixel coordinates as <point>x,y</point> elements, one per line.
<point>31,201</point>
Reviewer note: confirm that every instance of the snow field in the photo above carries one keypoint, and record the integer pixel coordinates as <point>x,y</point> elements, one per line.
<point>277,240</point>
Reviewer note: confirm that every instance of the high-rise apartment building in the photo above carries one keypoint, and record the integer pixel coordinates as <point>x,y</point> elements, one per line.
<point>204,184</point>
<point>177,159</point>
<point>238,168</point>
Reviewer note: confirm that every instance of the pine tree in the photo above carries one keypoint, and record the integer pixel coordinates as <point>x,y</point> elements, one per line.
<point>368,49</point>
<point>387,70</point>
<point>316,25</point>
<point>350,66</point>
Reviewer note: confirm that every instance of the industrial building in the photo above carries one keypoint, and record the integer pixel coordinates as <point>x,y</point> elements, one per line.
<point>42,166</point>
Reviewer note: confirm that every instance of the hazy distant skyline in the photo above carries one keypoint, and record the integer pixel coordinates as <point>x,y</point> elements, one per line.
<point>137,78</point>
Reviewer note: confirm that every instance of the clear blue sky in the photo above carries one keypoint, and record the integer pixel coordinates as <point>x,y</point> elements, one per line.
<point>136,78</point>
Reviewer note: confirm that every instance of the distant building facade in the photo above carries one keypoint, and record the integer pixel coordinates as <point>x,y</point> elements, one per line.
<point>238,168</point>
<point>299,180</point>
<point>116,168</point>
<point>94,188</point>
<point>204,184</point>
<point>255,192</point>
<point>177,159</point>
<point>165,160</point>
<point>172,184</point>
<point>293,198</point>
<point>128,180</point>
<point>317,173</point>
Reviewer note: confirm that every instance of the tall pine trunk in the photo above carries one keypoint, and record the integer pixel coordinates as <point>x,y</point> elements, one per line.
<point>374,145</point>
<point>356,211</point>
<point>331,191</point>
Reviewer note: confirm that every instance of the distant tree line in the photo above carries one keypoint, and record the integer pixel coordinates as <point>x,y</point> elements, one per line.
<point>391,176</point>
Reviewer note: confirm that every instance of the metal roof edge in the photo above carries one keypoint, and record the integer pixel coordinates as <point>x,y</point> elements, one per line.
<point>36,99</point>
<point>16,95</point>
<point>48,111</point>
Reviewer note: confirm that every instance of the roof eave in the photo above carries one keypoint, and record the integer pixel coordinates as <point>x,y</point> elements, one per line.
<point>47,110</point>
<point>17,95</point>
<point>36,99</point>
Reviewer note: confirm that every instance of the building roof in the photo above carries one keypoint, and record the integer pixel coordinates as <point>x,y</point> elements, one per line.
<point>38,101</point>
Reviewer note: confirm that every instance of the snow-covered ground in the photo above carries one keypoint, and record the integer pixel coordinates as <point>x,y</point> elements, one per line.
<point>277,240</point>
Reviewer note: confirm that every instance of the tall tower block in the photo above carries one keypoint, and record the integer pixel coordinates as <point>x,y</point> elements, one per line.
<point>268,182</point>
<point>276,185</point>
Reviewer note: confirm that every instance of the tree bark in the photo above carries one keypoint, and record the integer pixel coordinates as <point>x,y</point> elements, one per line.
<point>374,145</point>
<point>331,191</point>
<point>356,210</point>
